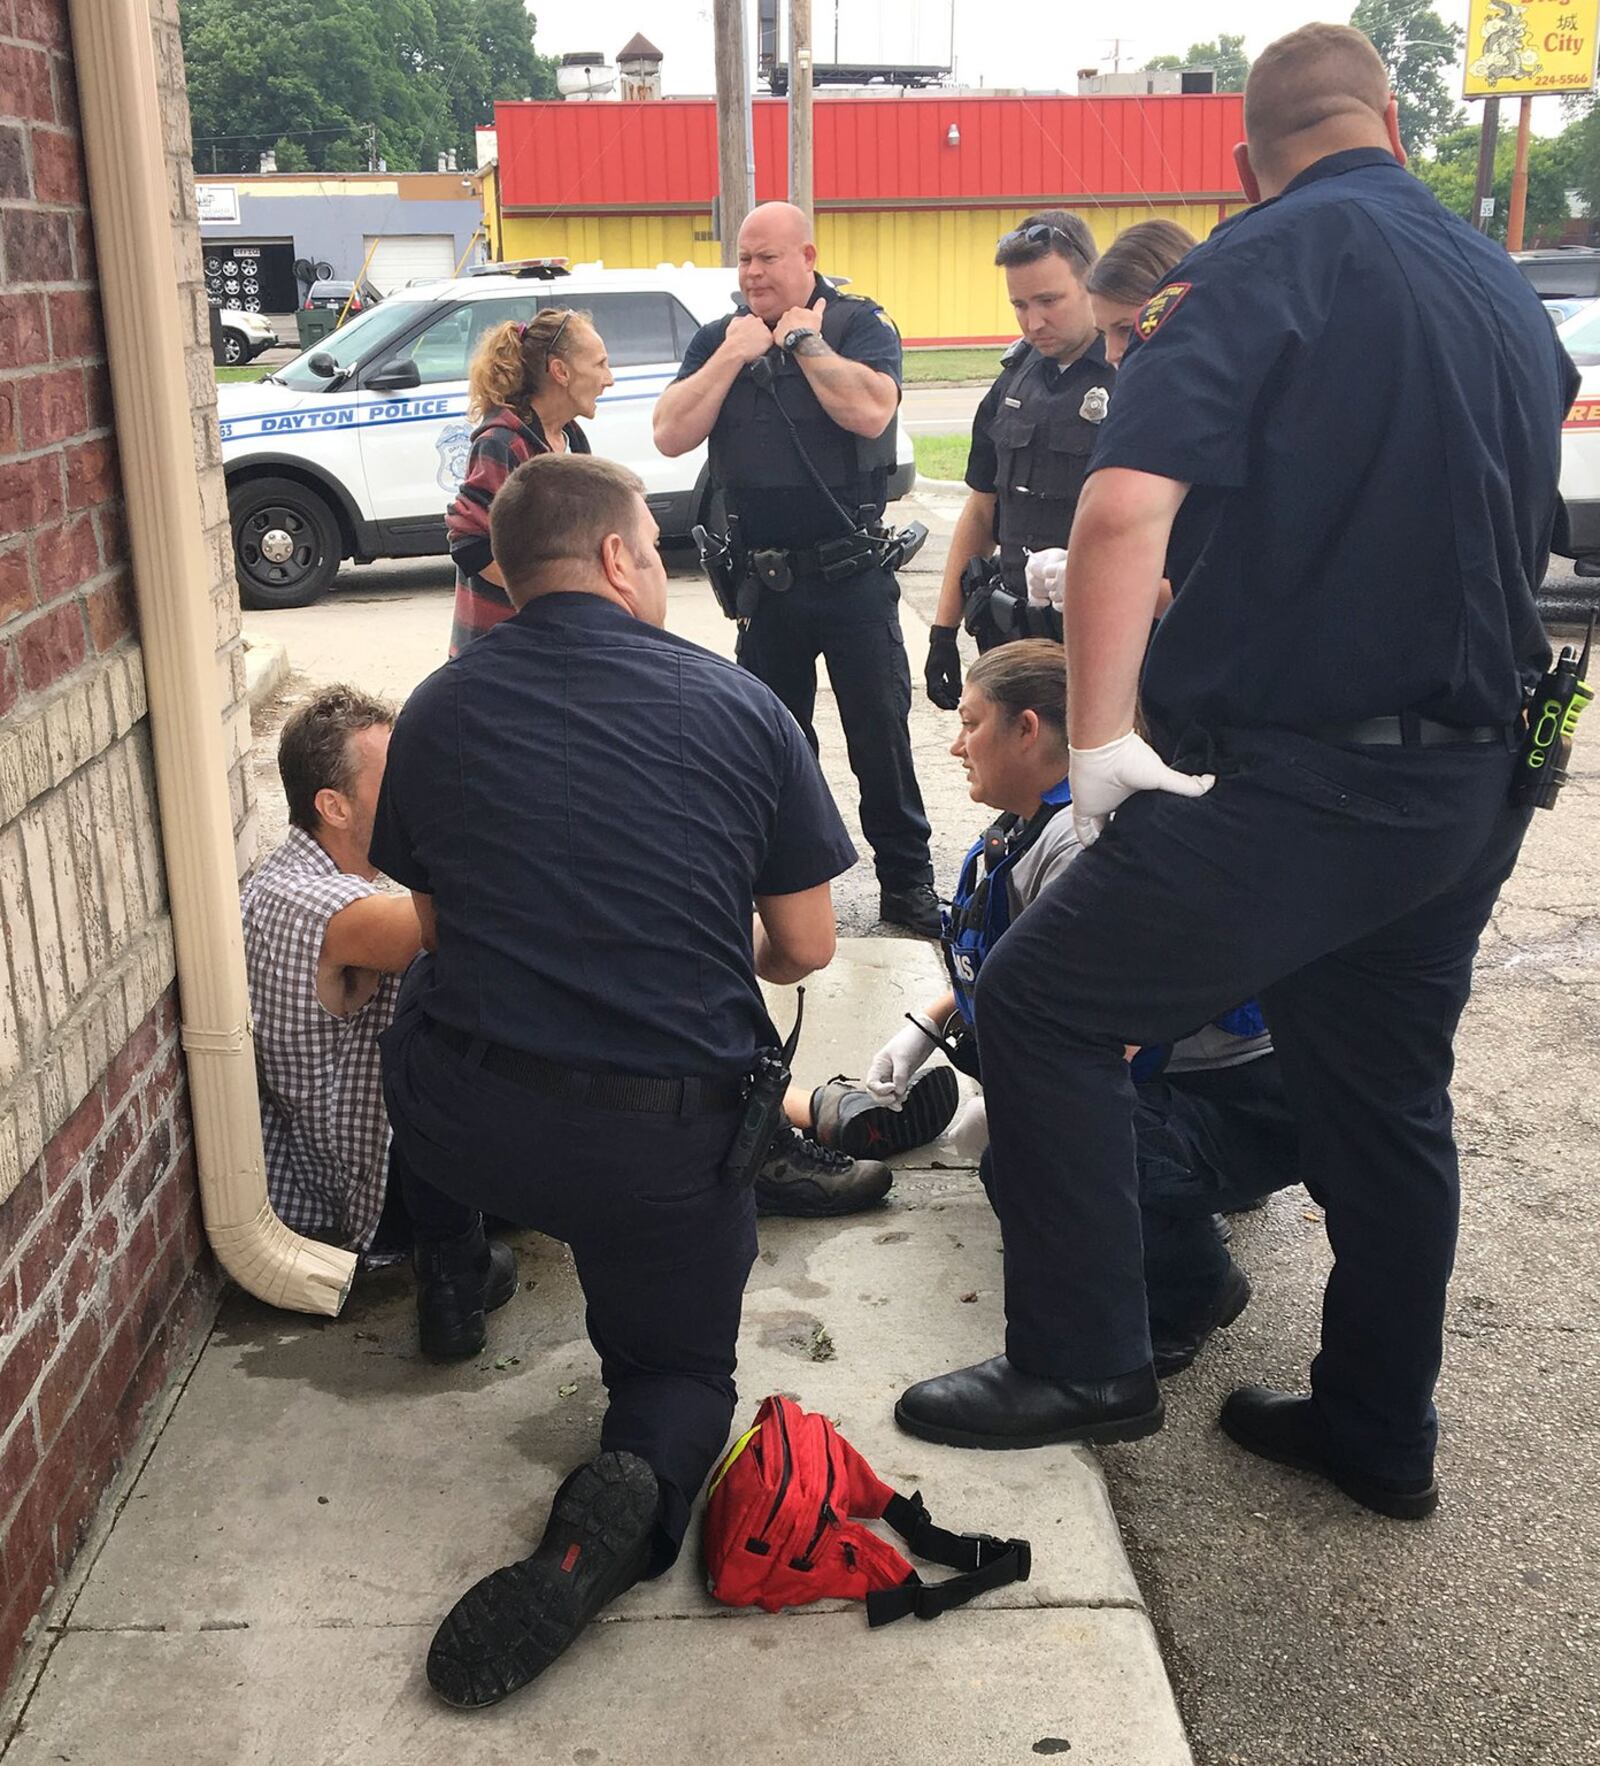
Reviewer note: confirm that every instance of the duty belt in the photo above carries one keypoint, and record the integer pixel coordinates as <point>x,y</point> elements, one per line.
<point>600,1090</point>
<point>1407,730</point>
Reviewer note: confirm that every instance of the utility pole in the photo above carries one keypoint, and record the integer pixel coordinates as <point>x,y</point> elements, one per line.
<point>735,143</point>
<point>800,188</point>
<point>1519,178</point>
<point>1483,196</point>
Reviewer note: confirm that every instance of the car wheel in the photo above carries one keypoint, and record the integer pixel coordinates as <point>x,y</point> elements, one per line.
<point>286,546</point>
<point>234,352</point>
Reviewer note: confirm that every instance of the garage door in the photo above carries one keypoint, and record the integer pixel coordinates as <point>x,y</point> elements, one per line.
<point>410,257</point>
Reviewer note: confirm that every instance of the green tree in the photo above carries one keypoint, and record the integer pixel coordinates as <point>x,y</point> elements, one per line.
<point>486,53</point>
<point>1226,55</point>
<point>325,72</point>
<point>291,156</point>
<point>1580,151</point>
<point>1420,51</point>
<point>1451,173</point>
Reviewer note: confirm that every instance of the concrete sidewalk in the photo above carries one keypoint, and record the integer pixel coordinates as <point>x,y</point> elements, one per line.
<point>320,1495</point>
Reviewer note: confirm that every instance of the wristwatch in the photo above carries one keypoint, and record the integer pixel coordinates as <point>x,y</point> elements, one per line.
<point>792,340</point>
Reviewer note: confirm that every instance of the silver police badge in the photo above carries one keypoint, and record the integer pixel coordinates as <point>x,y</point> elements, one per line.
<point>1096,402</point>
<point>455,449</point>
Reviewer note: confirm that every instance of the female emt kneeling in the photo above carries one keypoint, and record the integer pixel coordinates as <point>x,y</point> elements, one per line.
<point>528,385</point>
<point>1214,1133</point>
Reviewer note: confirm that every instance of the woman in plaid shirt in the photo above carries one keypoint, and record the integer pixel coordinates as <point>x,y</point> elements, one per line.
<point>527,386</point>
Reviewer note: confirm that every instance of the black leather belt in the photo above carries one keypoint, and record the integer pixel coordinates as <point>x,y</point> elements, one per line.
<point>599,1090</point>
<point>1406,730</point>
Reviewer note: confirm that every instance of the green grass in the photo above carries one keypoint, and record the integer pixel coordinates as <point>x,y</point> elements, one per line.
<point>983,364</point>
<point>250,373</point>
<point>941,456</point>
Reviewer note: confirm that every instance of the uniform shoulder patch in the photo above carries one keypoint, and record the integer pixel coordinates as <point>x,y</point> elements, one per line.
<point>1160,307</point>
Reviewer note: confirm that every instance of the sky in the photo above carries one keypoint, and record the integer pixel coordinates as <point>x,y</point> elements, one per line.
<point>1038,44</point>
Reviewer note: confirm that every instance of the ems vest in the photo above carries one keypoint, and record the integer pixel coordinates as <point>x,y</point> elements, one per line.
<point>752,448</point>
<point>979,913</point>
<point>1042,446</point>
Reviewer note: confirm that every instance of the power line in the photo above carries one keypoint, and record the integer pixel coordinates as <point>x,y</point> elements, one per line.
<point>281,134</point>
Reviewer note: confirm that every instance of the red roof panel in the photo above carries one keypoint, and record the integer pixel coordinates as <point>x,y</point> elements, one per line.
<point>557,156</point>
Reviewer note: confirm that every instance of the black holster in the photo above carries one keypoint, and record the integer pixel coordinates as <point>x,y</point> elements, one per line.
<point>979,580</point>
<point>726,567</point>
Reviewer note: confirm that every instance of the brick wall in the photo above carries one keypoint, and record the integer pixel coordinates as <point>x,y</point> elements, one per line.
<point>104,1280</point>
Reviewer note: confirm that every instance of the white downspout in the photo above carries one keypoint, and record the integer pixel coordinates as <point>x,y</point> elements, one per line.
<point>139,292</point>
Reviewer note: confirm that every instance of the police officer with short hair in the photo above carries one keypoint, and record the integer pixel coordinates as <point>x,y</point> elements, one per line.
<point>609,833</point>
<point>797,391</point>
<point>1031,439</point>
<point>1340,433</point>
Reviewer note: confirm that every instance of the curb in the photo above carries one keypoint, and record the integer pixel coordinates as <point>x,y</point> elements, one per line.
<point>266,668</point>
<point>924,483</point>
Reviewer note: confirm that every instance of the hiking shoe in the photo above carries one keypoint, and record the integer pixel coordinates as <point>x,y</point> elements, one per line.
<point>846,1116</point>
<point>801,1177</point>
<point>508,1628</point>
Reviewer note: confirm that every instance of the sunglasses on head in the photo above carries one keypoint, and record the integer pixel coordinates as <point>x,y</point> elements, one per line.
<point>555,336</point>
<point>1041,233</point>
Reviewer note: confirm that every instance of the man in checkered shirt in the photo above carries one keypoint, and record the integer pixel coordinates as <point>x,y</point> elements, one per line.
<point>325,948</point>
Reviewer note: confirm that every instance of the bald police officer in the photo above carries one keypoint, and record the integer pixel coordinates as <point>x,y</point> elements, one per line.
<point>797,391</point>
<point>1031,439</point>
<point>1355,516</point>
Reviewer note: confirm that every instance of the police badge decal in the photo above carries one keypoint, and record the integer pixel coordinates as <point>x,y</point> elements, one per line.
<point>1096,402</point>
<point>455,451</point>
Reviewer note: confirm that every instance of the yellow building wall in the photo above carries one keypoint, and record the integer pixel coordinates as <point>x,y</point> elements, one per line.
<point>932,269</point>
<point>619,241</point>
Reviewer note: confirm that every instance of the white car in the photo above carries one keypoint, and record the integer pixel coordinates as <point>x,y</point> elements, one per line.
<point>244,337</point>
<point>1580,441</point>
<point>355,449</point>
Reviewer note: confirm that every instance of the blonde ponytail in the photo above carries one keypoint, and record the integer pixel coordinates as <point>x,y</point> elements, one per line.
<point>512,361</point>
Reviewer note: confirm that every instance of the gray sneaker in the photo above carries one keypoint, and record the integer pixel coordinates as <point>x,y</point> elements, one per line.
<point>846,1116</point>
<point>805,1179</point>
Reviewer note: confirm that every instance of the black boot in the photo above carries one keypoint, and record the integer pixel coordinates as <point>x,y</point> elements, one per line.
<point>1288,1430</point>
<point>997,1405</point>
<point>458,1282</point>
<point>508,1628</point>
<point>915,907</point>
<point>1176,1348</point>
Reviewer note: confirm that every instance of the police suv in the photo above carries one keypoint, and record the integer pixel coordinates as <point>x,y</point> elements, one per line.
<point>355,449</point>
<point>1580,441</point>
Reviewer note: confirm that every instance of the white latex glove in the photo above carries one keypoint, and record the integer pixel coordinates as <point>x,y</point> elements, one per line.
<point>968,1135</point>
<point>1046,574</point>
<point>892,1069</point>
<point>1101,778</point>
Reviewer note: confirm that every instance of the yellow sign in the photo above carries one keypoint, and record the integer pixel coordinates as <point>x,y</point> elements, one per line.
<point>1525,47</point>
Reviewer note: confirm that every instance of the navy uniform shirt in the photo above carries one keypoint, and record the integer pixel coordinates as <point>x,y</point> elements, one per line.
<point>800,516</point>
<point>1367,397</point>
<point>593,804</point>
<point>1083,388</point>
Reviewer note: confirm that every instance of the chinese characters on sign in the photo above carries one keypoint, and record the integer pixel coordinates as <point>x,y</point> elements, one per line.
<point>1526,47</point>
